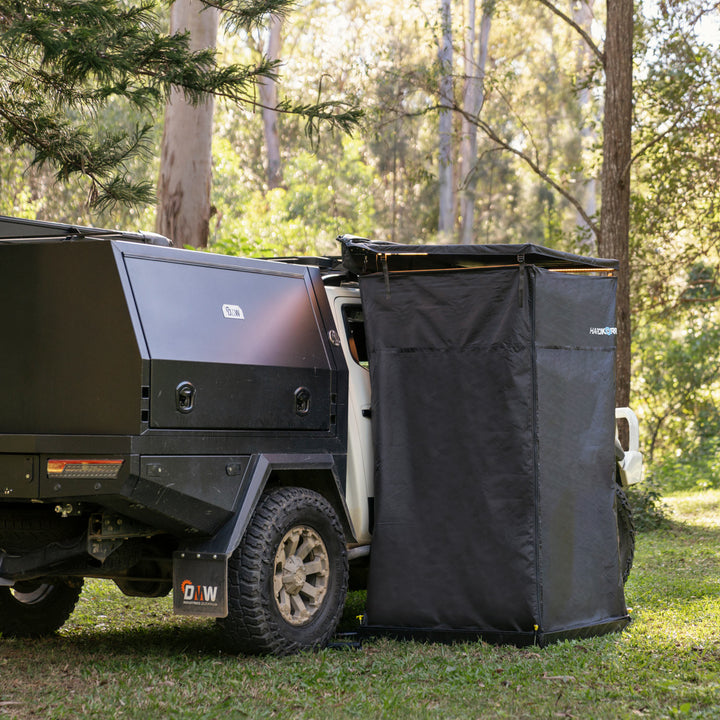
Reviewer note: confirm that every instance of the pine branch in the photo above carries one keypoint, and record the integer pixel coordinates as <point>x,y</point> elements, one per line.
<point>248,14</point>
<point>63,61</point>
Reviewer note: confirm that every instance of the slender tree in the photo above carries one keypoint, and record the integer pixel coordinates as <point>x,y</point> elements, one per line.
<point>446,220</point>
<point>268,90</point>
<point>473,98</point>
<point>582,14</point>
<point>183,208</point>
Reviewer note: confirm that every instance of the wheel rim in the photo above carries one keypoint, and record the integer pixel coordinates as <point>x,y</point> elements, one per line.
<point>301,575</point>
<point>29,594</point>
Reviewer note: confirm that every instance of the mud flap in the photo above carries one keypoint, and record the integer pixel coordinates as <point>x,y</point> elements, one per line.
<point>200,584</point>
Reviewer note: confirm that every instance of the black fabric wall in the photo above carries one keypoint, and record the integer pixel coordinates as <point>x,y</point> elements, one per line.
<point>493,427</point>
<point>580,579</point>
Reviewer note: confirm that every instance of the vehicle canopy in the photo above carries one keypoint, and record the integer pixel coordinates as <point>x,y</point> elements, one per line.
<point>492,369</point>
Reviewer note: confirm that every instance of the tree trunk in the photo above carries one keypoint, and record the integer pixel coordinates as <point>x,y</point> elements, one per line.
<point>268,98</point>
<point>615,210</point>
<point>446,219</point>
<point>473,99</point>
<point>582,14</point>
<point>183,210</point>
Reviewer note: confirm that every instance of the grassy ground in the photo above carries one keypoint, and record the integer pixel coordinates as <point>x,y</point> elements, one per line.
<point>131,658</point>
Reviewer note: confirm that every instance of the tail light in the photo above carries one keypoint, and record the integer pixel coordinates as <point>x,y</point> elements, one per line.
<point>84,469</point>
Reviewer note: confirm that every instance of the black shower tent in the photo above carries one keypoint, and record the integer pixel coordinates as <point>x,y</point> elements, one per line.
<point>492,370</point>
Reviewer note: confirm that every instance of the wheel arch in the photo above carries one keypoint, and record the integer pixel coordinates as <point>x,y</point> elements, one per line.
<point>323,482</point>
<point>320,473</point>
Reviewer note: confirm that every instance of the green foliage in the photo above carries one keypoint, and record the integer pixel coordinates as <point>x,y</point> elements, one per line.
<point>649,510</point>
<point>317,203</point>
<point>698,468</point>
<point>63,62</point>
<point>677,380</point>
<point>16,194</point>
<point>676,197</point>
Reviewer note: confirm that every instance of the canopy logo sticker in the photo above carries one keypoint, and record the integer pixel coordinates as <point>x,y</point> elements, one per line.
<point>603,331</point>
<point>233,312</point>
<point>199,594</point>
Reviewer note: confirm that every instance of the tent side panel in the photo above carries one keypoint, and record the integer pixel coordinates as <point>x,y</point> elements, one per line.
<point>451,371</point>
<point>575,355</point>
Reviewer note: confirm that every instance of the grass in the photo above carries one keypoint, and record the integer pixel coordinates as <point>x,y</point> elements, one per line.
<point>131,658</point>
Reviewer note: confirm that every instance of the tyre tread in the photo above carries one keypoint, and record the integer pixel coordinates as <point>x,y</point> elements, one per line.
<point>250,626</point>
<point>626,532</point>
<point>42,618</point>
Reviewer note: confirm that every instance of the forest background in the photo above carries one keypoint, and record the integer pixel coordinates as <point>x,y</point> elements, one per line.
<point>423,121</point>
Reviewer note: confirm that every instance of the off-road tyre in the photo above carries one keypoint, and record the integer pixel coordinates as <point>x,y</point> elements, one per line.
<point>268,613</point>
<point>36,608</point>
<point>24,528</point>
<point>626,532</point>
